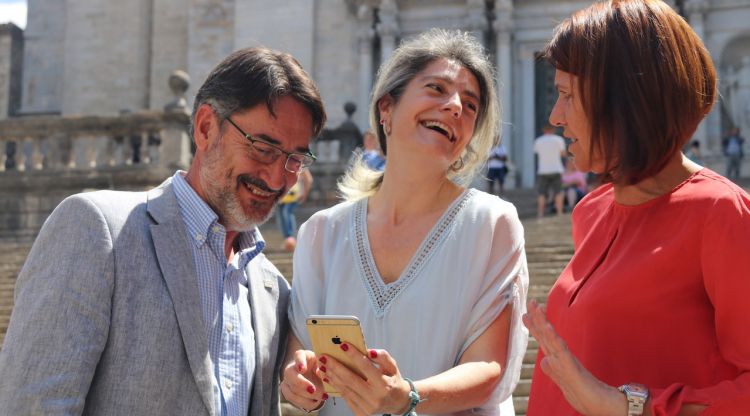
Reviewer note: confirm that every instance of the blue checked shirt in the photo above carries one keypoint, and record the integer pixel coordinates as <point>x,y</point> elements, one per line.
<point>224,299</point>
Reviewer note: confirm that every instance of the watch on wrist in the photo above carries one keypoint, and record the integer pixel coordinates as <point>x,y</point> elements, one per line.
<point>637,394</point>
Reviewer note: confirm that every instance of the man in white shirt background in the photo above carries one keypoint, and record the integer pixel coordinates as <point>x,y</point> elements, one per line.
<point>549,149</point>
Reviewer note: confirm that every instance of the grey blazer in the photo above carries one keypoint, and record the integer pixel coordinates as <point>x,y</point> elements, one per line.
<point>107,317</point>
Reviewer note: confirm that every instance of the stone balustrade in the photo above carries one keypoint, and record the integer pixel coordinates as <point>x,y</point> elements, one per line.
<point>82,143</point>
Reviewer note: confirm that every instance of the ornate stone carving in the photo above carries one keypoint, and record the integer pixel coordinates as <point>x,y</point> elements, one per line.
<point>388,25</point>
<point>503,16</point>
<point>179,82</point>
<point>476,18</point>
<point>365,32</point>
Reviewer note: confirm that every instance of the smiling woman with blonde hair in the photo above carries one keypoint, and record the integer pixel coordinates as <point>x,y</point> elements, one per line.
<point>435,272</point>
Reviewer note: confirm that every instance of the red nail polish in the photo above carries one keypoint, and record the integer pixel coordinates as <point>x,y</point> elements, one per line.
<point>323,359</point>
<point>345,346</point>
<point>373,354</point>
<point>326,380</point>
<point>323,368</point>
<point>300,368</point>
<point>310,389</point>
<point>325,396</point>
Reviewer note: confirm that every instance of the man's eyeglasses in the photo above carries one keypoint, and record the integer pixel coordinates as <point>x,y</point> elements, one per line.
<point>267,153</point>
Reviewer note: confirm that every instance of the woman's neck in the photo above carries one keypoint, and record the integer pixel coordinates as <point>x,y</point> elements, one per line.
<point>674,173</point>
<point>410,193</point>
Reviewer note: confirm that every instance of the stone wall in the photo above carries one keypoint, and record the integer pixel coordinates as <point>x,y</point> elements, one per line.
<point>44,57</point>
<point>11,59</point>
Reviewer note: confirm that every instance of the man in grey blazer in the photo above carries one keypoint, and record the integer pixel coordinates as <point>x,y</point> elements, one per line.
<point>161,302</point>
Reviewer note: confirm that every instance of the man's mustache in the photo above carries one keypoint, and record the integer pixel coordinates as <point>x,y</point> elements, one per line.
<point>260,184</point>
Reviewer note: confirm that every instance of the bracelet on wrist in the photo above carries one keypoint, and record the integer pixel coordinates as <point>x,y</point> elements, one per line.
<point>414,400</point>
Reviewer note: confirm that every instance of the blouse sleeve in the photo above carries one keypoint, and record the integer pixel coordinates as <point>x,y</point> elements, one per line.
<point>307,283</point>
<point>725,259</point>
<point>506,283</point>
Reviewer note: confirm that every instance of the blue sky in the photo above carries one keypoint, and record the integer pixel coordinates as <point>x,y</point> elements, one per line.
<point>13,11</point>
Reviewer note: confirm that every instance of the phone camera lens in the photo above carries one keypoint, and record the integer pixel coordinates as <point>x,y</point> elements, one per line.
<point>314,321</point>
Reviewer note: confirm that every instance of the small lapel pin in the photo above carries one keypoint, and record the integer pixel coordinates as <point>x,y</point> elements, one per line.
<point>268,282</point>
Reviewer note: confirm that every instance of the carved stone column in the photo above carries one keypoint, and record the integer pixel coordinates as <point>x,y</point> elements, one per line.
<point>365,35</point>
<point>388,28</point>
<point>503,27</point>
<point>696,10</point>
<point>476,20</point>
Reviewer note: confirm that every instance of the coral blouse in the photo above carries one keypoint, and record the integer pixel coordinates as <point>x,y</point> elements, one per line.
<point>658,294</point>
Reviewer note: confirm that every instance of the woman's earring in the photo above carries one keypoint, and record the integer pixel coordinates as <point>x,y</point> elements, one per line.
<point>458,165</point>
<point>386,127</point>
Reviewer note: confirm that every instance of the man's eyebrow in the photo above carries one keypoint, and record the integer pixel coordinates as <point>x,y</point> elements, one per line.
<point>470,93</point>
<point>269,139</point>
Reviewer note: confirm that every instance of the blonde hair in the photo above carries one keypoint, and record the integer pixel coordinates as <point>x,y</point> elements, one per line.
<point>408,60</point>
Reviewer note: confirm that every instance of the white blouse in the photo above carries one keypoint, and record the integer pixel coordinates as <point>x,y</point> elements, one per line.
<point>469,267</point>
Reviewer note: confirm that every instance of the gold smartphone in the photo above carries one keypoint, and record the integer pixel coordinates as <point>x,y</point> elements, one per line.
<point>327,332</point>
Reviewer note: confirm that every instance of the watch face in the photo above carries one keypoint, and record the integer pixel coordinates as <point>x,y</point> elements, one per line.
<point>637,390</point>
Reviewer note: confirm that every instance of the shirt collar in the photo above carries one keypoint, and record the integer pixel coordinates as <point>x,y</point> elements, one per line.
<point>200,220</point>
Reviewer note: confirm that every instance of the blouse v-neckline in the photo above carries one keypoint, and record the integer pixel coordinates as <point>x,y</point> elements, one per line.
<point>382,294</point>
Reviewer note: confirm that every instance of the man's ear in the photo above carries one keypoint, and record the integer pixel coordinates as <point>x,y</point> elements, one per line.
<point>205,127</point>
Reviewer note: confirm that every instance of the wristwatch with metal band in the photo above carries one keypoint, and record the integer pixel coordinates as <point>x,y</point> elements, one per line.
<point>637,394</point>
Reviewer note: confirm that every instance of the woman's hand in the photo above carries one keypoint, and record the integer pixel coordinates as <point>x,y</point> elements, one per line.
<point>300,385</point>
<point>587,394</point>
<point>383,390</point>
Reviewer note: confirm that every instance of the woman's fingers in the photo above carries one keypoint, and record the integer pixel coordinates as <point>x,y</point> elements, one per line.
<point>383,359</point>
<point>300,386</point>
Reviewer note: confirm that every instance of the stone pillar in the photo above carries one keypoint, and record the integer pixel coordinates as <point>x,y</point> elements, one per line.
<point>476,20</point>
<point>696,9</point>
<point>388,28</point>
<point>365,35</point>
<point>503,28</point>
<point>174,141</point>
<point>525,152</point>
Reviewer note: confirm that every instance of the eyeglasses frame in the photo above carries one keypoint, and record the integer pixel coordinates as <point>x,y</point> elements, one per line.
<point>254,139</point>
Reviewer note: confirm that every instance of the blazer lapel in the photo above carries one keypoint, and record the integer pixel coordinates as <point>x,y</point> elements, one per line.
<point>177,266</point>
<point>263,297</point>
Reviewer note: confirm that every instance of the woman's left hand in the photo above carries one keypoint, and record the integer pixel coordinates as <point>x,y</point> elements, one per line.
<point>587,394</point>
<point>384,390</point>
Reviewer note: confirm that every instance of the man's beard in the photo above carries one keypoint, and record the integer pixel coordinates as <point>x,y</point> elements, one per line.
<point>223,199</point>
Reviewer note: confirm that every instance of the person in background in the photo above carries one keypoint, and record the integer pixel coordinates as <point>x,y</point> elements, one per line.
<point>371,154</point>
<point>650,315</point>
<point>285,212</point>
<point>550,151</point>
<point>574,183</point>
<point>162,302</point>
<point>694,153</point>
<point>409,241</point>
<point>497,169</point>
<point>733,150</point>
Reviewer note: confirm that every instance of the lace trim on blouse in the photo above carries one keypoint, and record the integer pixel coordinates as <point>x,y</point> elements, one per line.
<point>382,295</point>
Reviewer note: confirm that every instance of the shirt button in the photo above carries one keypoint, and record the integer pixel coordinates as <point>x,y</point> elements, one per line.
<point>216,229</point>
<point>228,384</point>
<point>229,327</point>
<point>199,237</point>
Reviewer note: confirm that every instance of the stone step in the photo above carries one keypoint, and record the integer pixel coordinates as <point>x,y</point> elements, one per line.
<point>520,404</point>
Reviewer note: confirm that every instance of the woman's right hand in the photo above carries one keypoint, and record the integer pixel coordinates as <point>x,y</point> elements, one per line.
<point>300,386</point>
